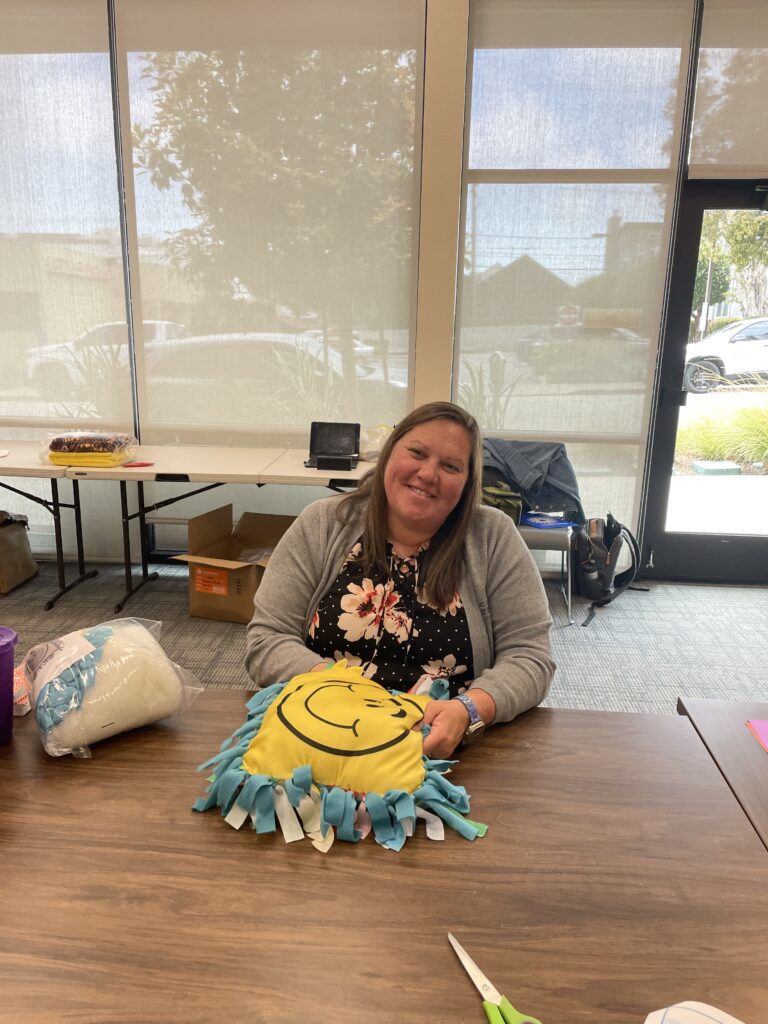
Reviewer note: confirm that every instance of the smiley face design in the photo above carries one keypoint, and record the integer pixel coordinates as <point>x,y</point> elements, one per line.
<point>353,732</point>
<point>351,719</point>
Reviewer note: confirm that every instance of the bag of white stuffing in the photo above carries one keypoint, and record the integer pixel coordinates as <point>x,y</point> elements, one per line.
<point>98,682</point>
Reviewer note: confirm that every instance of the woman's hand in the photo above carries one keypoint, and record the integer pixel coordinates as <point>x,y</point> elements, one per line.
<point>449,720</point>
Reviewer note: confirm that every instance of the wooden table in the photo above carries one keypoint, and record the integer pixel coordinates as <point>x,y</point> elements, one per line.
<point>736,752</point>
<point>618,876</point>
<point>23,462</point>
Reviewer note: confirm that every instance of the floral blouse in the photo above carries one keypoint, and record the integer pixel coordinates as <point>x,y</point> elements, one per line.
<point>386,625</point>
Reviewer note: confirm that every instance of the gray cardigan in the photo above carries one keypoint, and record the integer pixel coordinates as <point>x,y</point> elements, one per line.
<point>500,589</point>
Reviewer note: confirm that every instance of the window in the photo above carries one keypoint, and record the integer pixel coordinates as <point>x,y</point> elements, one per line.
<point>61,275</point>
<point>568,186</point>
<point>273,166</point>
<point>63,331</point>
<point>730,120</point>
<point>755,332</point>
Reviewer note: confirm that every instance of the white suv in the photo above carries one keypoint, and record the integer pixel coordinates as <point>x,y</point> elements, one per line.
<point>738,352</point>
<point>57,368</point>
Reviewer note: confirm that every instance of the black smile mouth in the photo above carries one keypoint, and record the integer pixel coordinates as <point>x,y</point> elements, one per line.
<point>400,713</point>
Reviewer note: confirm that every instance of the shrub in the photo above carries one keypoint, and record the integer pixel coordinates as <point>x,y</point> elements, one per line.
<point>746,435</point>
<point>718,322</point>
<point>741,437</point>
<point>701,439</point>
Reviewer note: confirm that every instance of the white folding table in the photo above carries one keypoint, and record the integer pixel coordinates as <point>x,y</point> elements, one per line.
<point>24,461</point>
<point>212,466</point>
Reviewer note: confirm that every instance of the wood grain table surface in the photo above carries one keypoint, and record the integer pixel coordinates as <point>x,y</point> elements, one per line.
<point>721,724</point>
<point>618,876</point>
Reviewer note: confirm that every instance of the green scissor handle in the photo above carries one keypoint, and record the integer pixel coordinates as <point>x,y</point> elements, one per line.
<point>505,1013</point>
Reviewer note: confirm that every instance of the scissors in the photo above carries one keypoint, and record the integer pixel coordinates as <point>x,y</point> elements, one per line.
<point>498,1008</point>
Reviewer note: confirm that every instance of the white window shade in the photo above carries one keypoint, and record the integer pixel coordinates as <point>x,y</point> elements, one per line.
<point>273,163</point>
<point>63,331</point>
<point>730,120</point>
<point>61,278</point>
<point>575,85</point>
<point>578,24</point>
<point>573,141</point>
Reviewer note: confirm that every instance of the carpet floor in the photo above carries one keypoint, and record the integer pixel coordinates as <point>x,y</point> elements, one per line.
<point>638,654</point>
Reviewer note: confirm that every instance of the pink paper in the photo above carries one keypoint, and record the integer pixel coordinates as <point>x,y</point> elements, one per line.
<point>759,729</point>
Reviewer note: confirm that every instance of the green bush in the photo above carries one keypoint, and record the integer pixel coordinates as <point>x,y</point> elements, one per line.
<point>747,435</point>
<point>718,322</point>
<point>741,437</point>
<point>701,439</point>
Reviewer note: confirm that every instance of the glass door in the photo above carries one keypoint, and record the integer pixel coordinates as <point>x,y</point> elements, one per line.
<point>706,514</point>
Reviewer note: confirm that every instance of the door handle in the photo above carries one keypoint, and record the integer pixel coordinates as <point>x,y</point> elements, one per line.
<point>674,397</point>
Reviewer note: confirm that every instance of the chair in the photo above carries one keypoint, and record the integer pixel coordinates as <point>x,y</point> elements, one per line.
<point>558,539</point>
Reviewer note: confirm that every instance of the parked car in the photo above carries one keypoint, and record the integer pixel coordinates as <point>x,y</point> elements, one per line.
<point>253,378</point>
<point>260,380</point>
<point>737,352</point>
<point>61,366</point>
<point>103,350</point>
<point>585,355</point>
<point>359,347</point>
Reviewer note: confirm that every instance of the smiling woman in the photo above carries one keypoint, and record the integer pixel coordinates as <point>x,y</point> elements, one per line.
<point>411,579</point>
<point>424,480</point>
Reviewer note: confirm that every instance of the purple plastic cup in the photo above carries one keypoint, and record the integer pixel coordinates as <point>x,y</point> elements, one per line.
<point>7,643</point>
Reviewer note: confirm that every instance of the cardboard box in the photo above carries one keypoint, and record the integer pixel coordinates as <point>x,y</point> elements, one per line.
<point>225,564</point>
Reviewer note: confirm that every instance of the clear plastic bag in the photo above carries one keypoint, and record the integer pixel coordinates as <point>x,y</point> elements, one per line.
<point>98,682</point>
<point>22,692</point>
<point>88,448</point>
<point>372,441</point>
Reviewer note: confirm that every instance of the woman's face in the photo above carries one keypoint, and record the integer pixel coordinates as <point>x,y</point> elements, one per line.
<point>425,476</point>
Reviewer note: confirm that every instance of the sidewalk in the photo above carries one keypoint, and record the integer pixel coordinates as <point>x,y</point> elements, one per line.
<point>735,505</point>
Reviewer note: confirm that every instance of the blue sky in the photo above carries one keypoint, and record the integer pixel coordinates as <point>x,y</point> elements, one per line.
<point>576,108</point>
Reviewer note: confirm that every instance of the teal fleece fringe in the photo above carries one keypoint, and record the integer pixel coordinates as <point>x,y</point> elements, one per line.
<point>66,692</point>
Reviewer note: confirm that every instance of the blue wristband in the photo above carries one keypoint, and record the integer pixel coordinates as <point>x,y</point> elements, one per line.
<point>469,704</point>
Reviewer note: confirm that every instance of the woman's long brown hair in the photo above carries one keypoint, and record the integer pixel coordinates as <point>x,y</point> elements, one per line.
<point>440,572</point>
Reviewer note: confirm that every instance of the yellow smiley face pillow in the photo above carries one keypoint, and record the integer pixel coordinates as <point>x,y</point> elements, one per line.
<point>332,753</point>
<point>353,732</point>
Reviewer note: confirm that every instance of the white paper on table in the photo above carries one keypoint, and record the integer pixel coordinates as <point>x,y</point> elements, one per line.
<point>691,1013</point>
<point>4,452</point>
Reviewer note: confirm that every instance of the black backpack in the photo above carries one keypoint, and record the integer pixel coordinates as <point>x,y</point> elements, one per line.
<point>597,546</point>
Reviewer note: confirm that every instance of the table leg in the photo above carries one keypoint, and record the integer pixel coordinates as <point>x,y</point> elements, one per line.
<point>130,587</point>
<point>78,526</point>
<point>55,510</point>
<point>143,530</point>
<point>566,580</point>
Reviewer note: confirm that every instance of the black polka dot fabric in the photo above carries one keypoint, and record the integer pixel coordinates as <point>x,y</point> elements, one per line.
<point>382,623</point>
